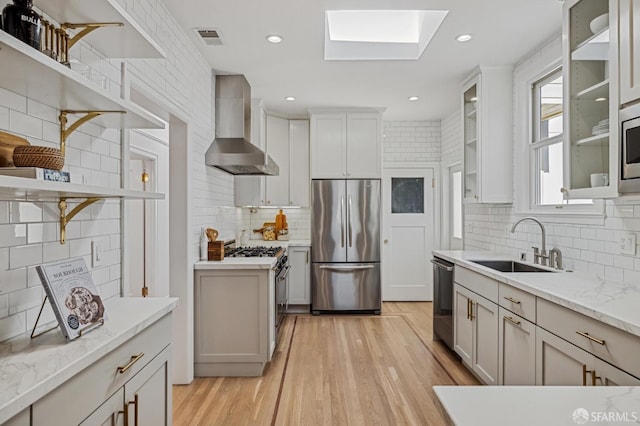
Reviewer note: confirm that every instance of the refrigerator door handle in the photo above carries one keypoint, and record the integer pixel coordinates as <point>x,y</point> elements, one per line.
<point>342,221</point>
<point>350,228</point>
<point>346,268</point>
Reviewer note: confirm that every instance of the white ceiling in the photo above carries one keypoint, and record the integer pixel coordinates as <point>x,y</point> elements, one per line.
<point>503,32</point>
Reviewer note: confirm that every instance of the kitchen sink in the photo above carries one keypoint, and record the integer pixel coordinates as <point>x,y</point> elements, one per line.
<point>509,266</point>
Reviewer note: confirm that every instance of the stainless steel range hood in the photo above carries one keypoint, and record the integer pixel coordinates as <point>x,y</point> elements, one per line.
<point>231,150</point>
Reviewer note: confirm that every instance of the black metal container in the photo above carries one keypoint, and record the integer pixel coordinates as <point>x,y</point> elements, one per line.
<point>22,22</point>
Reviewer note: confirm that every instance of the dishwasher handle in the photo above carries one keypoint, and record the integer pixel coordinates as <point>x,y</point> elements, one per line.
<point>442,266</point>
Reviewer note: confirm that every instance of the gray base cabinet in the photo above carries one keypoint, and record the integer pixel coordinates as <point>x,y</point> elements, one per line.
<point>516,344</point>
<point>300,275</point>
<point>476,333</point>
<point>234,322</point>
<point>133,378</point>
<point>529,340</point>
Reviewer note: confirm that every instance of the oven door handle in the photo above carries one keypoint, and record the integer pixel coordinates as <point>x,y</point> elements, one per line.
<point>347,268</point>
<point>285,274</point>
<point>441,266</point>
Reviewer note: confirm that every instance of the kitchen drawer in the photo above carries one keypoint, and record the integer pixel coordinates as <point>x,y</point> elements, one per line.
<point>517,301</point>
<point>74,400</point>
<point>478,283</point>
<point>617,347</point>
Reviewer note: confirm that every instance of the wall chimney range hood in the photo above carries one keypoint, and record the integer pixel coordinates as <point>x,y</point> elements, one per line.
<point>231,150</point>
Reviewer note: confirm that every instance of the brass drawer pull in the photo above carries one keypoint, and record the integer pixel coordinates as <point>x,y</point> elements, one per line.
<point>512,321</point>
<point>512,300</point>
<point>593,339</point>
<point>134,359</point>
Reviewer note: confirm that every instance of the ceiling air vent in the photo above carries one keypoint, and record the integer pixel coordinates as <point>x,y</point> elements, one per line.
<point>210,37</point>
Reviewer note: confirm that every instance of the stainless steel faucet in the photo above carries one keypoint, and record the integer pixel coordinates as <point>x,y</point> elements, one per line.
<point>539,257</point>
<point>555,258</point>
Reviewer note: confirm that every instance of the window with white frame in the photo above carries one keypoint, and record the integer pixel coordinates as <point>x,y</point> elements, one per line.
<point>546,150</point>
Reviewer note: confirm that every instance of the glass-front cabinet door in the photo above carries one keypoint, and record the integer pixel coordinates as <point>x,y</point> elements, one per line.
<point>470,117</point>
<point>590,57</point>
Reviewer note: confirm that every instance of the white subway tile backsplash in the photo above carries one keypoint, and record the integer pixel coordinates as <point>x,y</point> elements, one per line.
<point>42,111</point>
<point>21,256</point>
<point>22,212</point>
<point>4,212</point>
<point>25,299</point>
<point>4,118</point>
<point>12,235</point>
<point>13,101</point>
<point>4,305</point>
<point>54,251</point>
<point>25,125</point>
<point>12,326</point>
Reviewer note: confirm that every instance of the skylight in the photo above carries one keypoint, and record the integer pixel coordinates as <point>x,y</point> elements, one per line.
<point>379,34</point>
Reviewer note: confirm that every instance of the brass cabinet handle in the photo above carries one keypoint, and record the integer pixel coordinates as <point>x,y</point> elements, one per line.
<point>512,300</point>
<point>471,317</point>
<point>468,309</point>
<point>592,373</point>
<point>512,321</point>
<point>134,359</point>
<point>135,411</point>
<point>593,339</point>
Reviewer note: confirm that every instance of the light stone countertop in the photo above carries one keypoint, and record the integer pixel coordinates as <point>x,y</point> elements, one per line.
<point>613,303</point>
<point>540,405</point>
<point>237,263</point>
<point>31,368</point>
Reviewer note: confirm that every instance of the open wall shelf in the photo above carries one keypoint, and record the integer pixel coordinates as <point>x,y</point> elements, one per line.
<point>28,72</point>
<point>128,41</point>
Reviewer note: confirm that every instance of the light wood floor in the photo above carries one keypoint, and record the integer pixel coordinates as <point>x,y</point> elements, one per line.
<point>335,370</point>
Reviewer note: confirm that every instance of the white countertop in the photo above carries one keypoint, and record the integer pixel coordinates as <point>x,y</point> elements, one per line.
<point>614,303</point>
<point>31,368</point>
<point>237,263</point>
<point>539,405</point>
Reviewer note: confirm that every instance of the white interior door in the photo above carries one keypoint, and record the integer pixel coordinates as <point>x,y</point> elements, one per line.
<point>147,237</point>
<point>408,234</point>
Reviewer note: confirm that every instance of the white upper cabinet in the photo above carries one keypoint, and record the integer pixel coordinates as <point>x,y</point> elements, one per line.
<point>287,142</point>
<point>346,145</point>
<point>299,178</point>
<point>487,135</point>
<point>590,109</point>
<point>629,30</point>
<point>277,187</point>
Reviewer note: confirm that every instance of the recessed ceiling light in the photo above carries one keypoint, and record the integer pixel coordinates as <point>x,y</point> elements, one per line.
<point>413,98</point>
<point>274,38</point>
<point>463,37</point>
<point>290,98</point>
<point>601,99</point>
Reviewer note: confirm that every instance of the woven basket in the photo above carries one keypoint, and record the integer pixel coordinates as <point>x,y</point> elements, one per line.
<point>8,142</point>
<point>38,156</point>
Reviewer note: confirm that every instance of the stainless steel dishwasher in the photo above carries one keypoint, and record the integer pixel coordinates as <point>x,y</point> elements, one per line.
<point>443,301</point>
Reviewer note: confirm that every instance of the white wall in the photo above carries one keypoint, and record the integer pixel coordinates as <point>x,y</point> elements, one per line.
<point>411,141</point>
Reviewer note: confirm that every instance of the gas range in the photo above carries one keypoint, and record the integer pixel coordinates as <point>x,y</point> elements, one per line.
<point>258,251</point>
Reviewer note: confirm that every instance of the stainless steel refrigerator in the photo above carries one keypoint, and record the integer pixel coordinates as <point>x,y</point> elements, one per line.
<point>345,245</point>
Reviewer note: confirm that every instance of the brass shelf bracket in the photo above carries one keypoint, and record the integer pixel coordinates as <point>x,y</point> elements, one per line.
<point>88,116</point>
<point>86,28</point>
<point>66,218</point>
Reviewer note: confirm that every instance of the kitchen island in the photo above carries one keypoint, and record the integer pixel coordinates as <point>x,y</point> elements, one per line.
<point>235,331</point>
<point>535,405</point>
